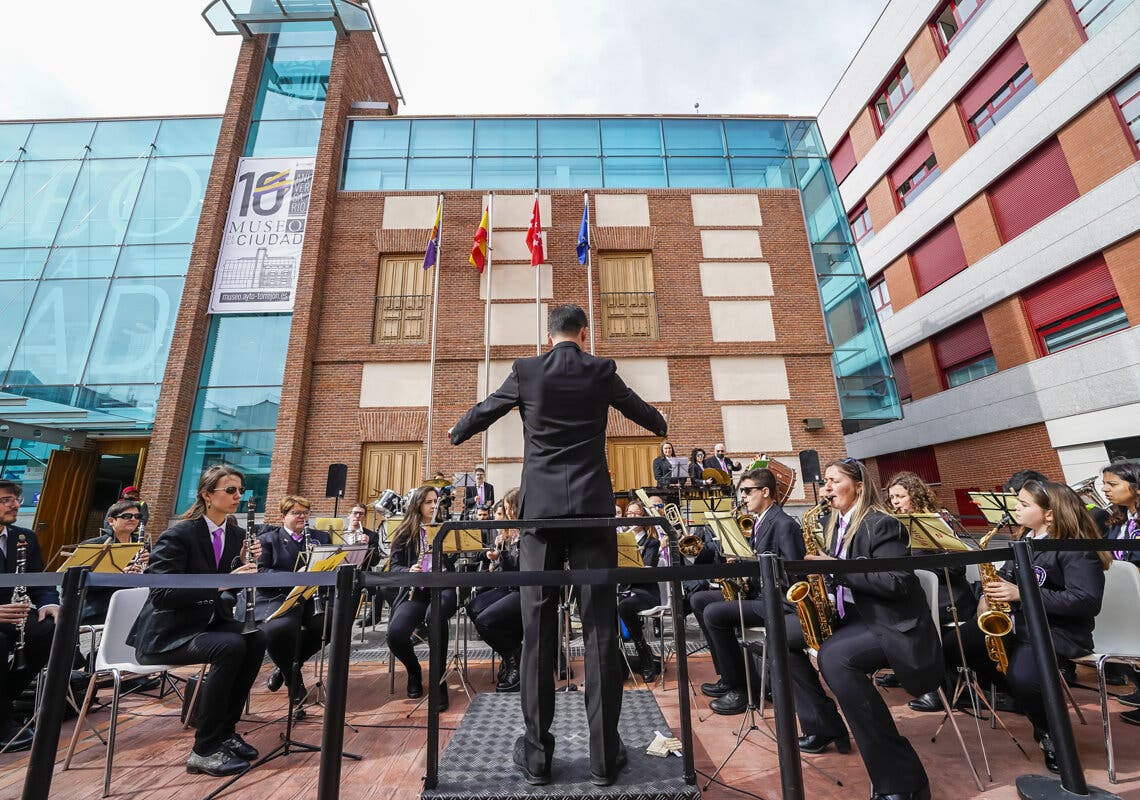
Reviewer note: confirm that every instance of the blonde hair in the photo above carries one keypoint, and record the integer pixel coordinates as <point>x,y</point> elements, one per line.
<point>290,501</point>
<point>866,502</point>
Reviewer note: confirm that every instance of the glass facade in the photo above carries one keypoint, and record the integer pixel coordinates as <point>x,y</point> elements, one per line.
<point>96,221</point>
<point>653,152</point>
<point>235,412</point>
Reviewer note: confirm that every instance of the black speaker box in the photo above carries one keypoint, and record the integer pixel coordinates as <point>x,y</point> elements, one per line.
<point>338,477</point>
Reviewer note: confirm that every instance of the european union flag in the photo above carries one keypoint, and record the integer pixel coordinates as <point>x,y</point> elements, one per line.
<point>584,234</point>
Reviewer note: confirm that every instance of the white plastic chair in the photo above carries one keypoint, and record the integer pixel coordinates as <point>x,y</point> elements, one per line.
<point>1116,638</point>
<point>116,657</point>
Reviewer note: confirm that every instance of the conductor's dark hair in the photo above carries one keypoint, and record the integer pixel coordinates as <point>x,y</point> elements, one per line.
<point>567,320</point>
<point>1018,479</point>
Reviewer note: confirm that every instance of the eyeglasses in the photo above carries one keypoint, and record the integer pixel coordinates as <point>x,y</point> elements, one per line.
<point>130,516</point>
<point>659,505</point>
<point>747,490</point>
<point>10,500</point>
<point>231,490</point>
<point>298,512</point>
<point>357,513</point>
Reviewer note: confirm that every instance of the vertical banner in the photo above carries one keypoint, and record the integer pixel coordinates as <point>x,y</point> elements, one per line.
<point>265,231</point>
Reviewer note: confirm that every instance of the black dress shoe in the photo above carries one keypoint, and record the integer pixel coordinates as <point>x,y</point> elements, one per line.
<point>718,689</point>
<point>1050,753</point>
<point>888,680</point>
<point>1132,699</point>
<point>814,743</point>
<point>927,702</point>
<point>241,748</point>
<point>15,739</point>
<point>1131,717</point>
<point>444,700</point>
<point>606,779</point>
<point>415,688</point>
<point>519,757</point>
<point>730,703</point>
<point>220,763</point>
<point>276,679</point>
<point>921,794</point>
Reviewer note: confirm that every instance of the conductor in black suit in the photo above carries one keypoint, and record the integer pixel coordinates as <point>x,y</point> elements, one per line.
<point>564,398</point>
<point>196,626</point>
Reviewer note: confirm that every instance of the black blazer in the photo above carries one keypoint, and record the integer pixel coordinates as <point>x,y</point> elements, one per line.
<point>662,470</point>
<point>279,553</point>
<point>695,472</point>
<point>1072,588</point>
<point>1118,532</point>
<point>471,496</point>
<point>402,559</point>
<point>650,550</point>
<point>893,604</point>
<point>172,617</point>
<point>33,562</point>
<point>563,397</point>
<point>712,463</point>
<point>780,534</point>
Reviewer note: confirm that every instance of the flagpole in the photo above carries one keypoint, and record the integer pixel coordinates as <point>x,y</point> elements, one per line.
<point>538,294</point>
<point>434,321</point>
<point>589,269</point>
<point>487,312</point>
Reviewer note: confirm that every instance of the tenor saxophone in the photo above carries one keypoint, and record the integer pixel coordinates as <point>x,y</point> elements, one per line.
<point>995,622</point>
<point>20,597</point>
<point>814,608</point>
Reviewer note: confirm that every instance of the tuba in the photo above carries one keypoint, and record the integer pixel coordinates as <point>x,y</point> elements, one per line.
<point>814,608</point>
<point>994,622</point>
<point>1090,496</point>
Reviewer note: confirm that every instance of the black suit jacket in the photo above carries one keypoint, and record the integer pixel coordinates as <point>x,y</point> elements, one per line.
<point>563,397</point>
<point>172,617</point>
<point>780,534</point>
<point>713,463</point>
<point>650,550</point>
<point>471,496</point>
<point>1118,532</point>
<point>279,553</point>
<point>1072,588</point>
<point>894,606</point>
<point>33,562</point>
<point>662,470</point>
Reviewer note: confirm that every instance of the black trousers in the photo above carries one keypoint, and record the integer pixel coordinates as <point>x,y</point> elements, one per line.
<point>846,661</point>
<point>631,603</point>
<point>37,646</point>
<point>235,659</point>
<point>409,614</point>
<point>1022,677</point>
<point>281,636</point>
<point>722,621</point>
<point>699,601</point>
<point>586,548</point>
<point>497,615</point>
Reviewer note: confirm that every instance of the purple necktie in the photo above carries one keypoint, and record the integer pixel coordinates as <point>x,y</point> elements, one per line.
<point>840,529</point>
<point>480,495</point>
<point>1129,533</point>
<point>219,536</point>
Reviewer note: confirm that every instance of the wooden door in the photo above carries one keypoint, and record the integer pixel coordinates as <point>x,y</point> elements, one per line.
<point>388,465</point>
<point>631,461</point>
<point>61,513</point>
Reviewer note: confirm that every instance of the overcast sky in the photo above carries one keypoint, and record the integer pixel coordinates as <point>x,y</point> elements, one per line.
<point>141,57</point>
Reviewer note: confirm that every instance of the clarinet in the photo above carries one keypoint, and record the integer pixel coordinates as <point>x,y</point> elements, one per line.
<point>143,538</point>
<point>20,596</point>
<point>251,592</point>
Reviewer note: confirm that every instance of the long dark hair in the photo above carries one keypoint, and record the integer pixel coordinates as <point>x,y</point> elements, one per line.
<point>208,483</point>
<point>693,455</point>
<point>407,535</point>
<point>1128,471</point>
<point>1071,520</point>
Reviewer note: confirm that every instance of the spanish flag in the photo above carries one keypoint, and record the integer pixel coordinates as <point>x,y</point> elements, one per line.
<point>433,238</point>
<point>478,257</point>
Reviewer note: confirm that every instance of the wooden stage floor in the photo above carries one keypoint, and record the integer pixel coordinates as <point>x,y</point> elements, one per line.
<point>152,747</point>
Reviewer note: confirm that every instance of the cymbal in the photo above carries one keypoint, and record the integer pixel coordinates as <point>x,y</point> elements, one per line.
<point>717,476</point>
<point>437,483</point>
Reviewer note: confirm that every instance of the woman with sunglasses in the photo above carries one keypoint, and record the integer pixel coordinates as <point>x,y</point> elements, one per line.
<point>883,620</point>
<point>197,626</point>
<point>122,523</point>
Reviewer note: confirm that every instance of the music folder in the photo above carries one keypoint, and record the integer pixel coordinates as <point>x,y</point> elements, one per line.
<point>353,553</point>
<point>733,543</point>
<point>628,553</point>
<point>299,594</point>
<point>931,532</point>
<point>996,507</point>
<point>106,557</point>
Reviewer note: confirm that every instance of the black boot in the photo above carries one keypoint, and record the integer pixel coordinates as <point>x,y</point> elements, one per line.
<point>509,674</point>
<point>650,666</point>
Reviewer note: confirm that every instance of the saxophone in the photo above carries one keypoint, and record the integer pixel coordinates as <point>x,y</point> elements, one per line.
<point>995,622</point>
<point>813,606</point>
<point>20,597</point>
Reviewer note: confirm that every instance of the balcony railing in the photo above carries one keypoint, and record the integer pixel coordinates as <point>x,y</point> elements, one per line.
<point>401,318</point>
<point>629,315</point>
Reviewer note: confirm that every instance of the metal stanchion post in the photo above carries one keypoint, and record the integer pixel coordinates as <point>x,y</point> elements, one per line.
<point>435,667</point>
<point>336,689</point>
<point>783,706</point>
<point>680,645</point>
<point>1072,782</point>
<point>37,783</point>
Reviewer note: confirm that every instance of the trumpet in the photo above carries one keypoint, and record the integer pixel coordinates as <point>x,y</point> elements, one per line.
<point>250,593</point>
<point>20,597</point>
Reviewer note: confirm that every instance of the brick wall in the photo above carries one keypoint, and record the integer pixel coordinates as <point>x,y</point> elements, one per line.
<point>1049,37</point>
<point>1123,259</point>
<point>922,57</point>
<point>948,137</point>
<point>1011,339</point>
<point>922,369</point>
<point>863,133</point>
<point>900,283</point>
<point>183,365</point>
<point>881,203</point>
<point>977,229</point>
<point>1096,145</point>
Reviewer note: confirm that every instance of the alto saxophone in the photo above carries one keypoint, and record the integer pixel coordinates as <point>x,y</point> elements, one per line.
<point>813,606</point>
<point>20,597</point>
<point>995,622</point>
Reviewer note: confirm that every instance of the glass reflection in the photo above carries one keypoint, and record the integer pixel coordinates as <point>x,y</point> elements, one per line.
<point>569,172</point>
<point>81,262</point>
<point>441,137</point>
<point>505,173</point>
<point>699,172</point>
<point>249,451</point>
<point>123,138</point>
<point>170,200</point>
<point>504,137</point>
<point>101,202</point>
<point>32,206</point>
<point>135,328</point>
<point>136,402</point>
<point>188,137</point>
<point>756,137</point>
<point>693,137</point>
<point>634,172</point>
<point>569,137</point>
<point>374,174</point>
<point>244,408</point>
<point>63,140</point>
<point>631,137</point>
<point>246,350</point>
<point>57,335</point>
<point>370,140</point>
<point>150,260</point>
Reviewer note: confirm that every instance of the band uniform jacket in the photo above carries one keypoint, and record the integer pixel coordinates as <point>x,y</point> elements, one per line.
<point>33,562</point>
<point>712,462</point>
<point>471,496</point>
<point>650,549</point>
<point>662,470</point>
<point>894,605</point>
<point>563,397</point>
<point>1072,588</point>
<point>781,534</point>
<point>172,617</point>
<point>279,553</point>
<point>402,559</point>
<point>1120,532</point>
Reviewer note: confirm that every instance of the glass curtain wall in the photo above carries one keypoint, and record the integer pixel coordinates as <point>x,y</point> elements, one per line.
<point>646,153</point>
<point>235,413</point>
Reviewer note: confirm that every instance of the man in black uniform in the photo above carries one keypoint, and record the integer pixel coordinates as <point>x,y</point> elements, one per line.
<point>38,619</point>
<point>564,398</point>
